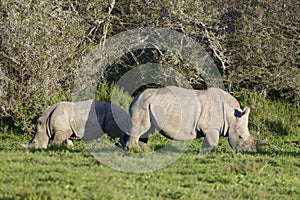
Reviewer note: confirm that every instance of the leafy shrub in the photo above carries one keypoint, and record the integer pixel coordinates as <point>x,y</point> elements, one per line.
<point>270,117</point>
<point>255,45</point>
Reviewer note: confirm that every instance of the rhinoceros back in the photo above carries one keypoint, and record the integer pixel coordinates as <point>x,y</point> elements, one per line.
<point>173,111</point>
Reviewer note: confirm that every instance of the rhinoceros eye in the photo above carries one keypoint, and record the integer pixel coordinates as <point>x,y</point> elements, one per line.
<point>240,137</point>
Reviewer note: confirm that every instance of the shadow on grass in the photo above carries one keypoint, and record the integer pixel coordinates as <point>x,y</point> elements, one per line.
<point>274,153</point>
<point>277,126</point>
<point>63,147</point>
<point>139,148</point>
<point>80,147</point>
<point>59,148</point>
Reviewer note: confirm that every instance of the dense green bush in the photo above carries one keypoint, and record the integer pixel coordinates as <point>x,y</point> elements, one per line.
<point>269,117</point>
<point>255,45</point>
<point>264,48</point>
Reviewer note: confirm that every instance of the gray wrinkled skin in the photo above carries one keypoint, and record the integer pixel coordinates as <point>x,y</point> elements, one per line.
<point>85,120</point>
<point>185,114</point>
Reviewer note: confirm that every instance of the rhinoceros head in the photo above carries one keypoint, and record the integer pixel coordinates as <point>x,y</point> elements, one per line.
<point>41,137</point>
<point>239,136</point>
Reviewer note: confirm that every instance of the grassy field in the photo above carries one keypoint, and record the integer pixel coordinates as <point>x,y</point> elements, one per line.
<point>73,173</point>
<point>62,172</point>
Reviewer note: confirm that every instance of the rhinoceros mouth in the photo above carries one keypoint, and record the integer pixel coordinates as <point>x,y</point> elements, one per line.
<point>254,146</point>
<point>249,145</point>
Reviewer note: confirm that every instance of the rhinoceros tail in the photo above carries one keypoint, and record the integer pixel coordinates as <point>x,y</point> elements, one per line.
<point>133,103</point>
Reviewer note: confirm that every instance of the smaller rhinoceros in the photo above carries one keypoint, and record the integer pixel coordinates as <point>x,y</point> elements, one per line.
<point>86,120</point>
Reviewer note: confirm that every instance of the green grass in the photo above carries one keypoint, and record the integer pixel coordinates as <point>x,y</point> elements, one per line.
<point>273,172</point>
<point>72,173</point>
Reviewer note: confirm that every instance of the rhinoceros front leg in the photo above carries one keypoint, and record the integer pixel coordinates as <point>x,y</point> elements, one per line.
<point>211,140</point>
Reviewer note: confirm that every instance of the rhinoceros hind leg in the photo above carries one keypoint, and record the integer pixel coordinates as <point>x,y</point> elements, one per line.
<point>132,141</point>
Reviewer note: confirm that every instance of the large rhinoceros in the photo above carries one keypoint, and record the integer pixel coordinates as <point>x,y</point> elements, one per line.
<point>86,120</point>
<point>185,114</point>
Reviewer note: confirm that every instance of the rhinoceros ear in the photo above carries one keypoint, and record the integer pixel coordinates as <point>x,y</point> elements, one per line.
<point>237,113</point>
<point>246,112</point>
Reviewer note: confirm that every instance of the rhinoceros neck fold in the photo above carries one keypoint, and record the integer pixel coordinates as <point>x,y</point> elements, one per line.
<point>225,124</point>
<point>49,113</point>
<point>48,129</point>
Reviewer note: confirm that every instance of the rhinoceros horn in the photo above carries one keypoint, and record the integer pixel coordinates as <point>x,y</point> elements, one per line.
<point>258,143</point>
<point>253,136</point>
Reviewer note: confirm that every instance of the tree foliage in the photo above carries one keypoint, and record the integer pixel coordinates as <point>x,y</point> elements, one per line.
<point>254,43</point>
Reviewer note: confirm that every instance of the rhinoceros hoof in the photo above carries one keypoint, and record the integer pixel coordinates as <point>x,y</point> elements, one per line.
<point>70,143</point>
